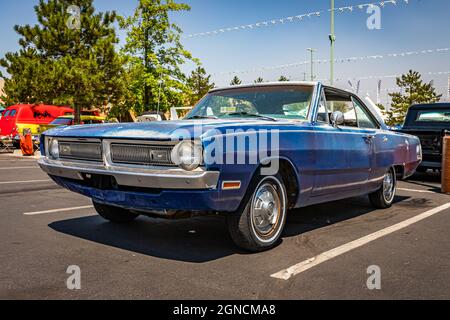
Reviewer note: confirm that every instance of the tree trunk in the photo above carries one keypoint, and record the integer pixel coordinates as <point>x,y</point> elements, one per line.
<point>77,119</point>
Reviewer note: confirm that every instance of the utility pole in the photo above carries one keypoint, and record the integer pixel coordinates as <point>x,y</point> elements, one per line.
<point>332,41</point>
<point>311,50</point>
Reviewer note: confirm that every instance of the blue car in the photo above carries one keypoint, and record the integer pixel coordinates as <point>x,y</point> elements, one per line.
<point>249,152</point>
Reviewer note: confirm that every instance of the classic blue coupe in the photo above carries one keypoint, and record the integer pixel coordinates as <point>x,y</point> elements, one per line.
<point>249,152</point>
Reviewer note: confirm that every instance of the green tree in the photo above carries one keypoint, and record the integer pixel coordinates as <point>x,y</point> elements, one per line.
<point>283,79</point>
<point>259,80</point>
<point>199,84</point>
<point>415,91</point>
<point>155,54</point>
<point>68,58</point>
<point>236,81</point>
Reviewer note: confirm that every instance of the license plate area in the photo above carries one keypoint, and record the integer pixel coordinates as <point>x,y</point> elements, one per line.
<point>98,181</point>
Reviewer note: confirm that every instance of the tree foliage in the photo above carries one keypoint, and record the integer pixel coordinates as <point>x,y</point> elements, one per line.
<point>236,81</point>
<point>199,84</point>
<point>283,79</point>
<point>259,80</point>
<point>154,56</point>
<point>65,65</point>
<point>415,91</point>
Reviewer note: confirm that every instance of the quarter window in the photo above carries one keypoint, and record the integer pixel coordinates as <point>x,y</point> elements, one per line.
<point>365,121</point>
<point>322,113</point>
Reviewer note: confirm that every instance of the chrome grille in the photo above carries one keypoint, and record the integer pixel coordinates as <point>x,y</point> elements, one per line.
<point>141,154</point>
<point>85,151</point>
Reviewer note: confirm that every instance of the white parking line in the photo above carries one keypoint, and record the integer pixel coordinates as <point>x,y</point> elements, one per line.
<point>18,160</point>
<point>57,210</point>
<point>321,258</point>
<point>413,190</point>
<point>26,181</point>
<point>19,168</point>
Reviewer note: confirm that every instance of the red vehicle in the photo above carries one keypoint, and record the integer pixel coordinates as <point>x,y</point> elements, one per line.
<point>25,116</point>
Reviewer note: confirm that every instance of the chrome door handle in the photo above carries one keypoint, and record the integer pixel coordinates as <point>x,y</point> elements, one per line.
<point>369,138</point>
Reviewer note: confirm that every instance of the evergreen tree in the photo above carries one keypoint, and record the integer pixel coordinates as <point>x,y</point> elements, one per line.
<point>199,84</point>
<point>68,58</point>
<point>236,81</point>
<point>259,80</point>
<point>283,79</point>
<point>415,92</point>
<point>155,54</point>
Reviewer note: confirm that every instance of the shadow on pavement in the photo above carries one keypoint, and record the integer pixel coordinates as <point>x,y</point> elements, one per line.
<point>430,180</point>
<point>202,239</point>
<point>315,217</point>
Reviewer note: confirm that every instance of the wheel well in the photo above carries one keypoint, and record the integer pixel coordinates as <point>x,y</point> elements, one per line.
<point>399,171</point>
<point>289,176</point>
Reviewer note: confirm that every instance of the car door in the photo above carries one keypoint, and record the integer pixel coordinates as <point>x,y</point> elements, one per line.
<point>379,142</point>
<point>344,153</point>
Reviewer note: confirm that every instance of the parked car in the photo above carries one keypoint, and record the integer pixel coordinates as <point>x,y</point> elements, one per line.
<point>19,117</point>
<point>69,121</point>
<point>429,122</point>
<point>152,116</point>
<point>60,121</point>
<point>287,145</point>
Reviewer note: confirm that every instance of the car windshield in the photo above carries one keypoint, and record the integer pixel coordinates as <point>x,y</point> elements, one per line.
<point>62,121</point>
<point>260,102</point>
<point>433,116</point>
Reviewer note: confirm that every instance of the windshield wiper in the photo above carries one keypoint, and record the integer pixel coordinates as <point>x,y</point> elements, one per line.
<point>202,117</point>
<point>252,115</point>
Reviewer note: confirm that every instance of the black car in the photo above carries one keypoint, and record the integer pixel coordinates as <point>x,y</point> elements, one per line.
<point>429,122</point>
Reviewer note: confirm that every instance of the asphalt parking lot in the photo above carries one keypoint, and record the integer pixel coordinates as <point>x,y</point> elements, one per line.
<point>44,229</point>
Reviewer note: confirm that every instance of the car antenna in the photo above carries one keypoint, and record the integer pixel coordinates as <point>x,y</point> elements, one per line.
<point>159,94</point>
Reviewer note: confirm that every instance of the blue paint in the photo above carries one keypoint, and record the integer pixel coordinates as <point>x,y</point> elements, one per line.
<point>329,163</point>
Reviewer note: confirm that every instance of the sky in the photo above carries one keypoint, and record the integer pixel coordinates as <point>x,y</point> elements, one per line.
<point>416,26</point>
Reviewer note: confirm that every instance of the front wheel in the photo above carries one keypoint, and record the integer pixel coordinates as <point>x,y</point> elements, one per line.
<point>114,214</point>
<point>384,197</point>
<point>258,224</point>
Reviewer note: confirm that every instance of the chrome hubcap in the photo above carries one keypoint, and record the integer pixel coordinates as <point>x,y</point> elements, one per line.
<point>389,186</point>
<point>266,209</point>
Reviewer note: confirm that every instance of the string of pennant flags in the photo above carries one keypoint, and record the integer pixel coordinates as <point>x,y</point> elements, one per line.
<point>339,60</point>
<point>438,73</point>
<point>297,18</point>
<point>388,76</point>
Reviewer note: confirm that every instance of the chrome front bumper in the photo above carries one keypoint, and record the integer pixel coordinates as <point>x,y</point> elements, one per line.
<point>171,178</point>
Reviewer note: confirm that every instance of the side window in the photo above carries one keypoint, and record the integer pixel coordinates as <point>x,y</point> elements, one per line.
<point>365,121</point>
<point>6,114</point>
<point>13,113</point>
<point>344,104</point>
<point>322,112</point>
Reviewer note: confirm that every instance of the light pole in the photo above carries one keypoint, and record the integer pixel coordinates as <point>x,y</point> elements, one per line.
<point>332,41</point>
<point>311,50</point>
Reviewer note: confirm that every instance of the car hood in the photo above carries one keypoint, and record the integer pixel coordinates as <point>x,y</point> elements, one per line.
<point>163,130</point>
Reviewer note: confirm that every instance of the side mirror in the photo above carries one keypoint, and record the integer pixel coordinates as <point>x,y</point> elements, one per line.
<point>337,118</point>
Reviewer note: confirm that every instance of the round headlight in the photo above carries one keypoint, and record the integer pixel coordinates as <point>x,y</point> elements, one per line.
<point>53,149</point>
<point>188,155</point>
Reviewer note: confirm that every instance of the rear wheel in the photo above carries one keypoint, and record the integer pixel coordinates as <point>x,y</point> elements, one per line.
<point>114,214</point>
<point>384,197</point>
<point>258,224</point>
